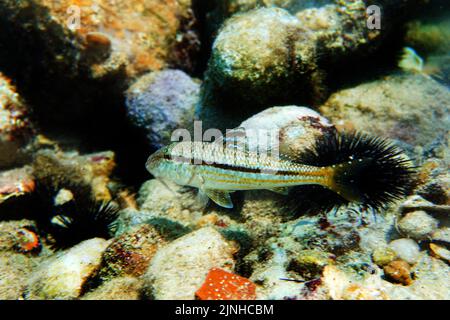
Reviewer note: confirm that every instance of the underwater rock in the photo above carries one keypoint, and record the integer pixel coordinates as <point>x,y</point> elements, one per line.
<point>383,256</point>
<point>431,276</point>
<point>223,285</point>
<point>431,37</point>
<point>437,187</point>
<point>297,129</point>
<point>399,271</point>
<point>310,263</point>
<point>57,170</point>
<point>160,102</point>
<point>440,243</point>
<point>412,109</point>
<point>20,236</point>
<point>252,55</point>
<point>442,235</point>
<point>15,269</point>
<point>121,288</point>
<point>416,202</point>
<point>15,127</point>
<point>169,201</point>
<point>268,55</point>
<point>339,285</point>
<point>440,252</point>
<point>21,252</point>
<point>62,276</point>
<point>130,253</point>
<point>223,9</point>
<point>76,37</point>
<point>406,249</point>
<point>15,183</point>
<point>89,51</point>
<point>417,225</point>
<point>179,269</point>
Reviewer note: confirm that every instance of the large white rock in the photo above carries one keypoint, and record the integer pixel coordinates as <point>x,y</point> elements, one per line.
<point>62,277</point>
<point>178,270</point>
<point>289,129</point>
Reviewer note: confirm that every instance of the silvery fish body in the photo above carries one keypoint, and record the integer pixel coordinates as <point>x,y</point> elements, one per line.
<point>216,170</point>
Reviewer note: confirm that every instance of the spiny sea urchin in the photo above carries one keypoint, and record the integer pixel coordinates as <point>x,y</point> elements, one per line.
<point>369,170</point>
<point>80,218</point>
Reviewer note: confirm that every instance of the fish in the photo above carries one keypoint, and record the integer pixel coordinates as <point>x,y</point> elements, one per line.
<point>411,61</point>
<point>219,169</point>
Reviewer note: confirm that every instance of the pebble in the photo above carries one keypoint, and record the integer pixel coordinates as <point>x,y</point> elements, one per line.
<point>179,269</point>
<point>417,225</point>
<point>406,249</point>
<point>399,271</point>
<point>383,256</point>
<point>63,276</point>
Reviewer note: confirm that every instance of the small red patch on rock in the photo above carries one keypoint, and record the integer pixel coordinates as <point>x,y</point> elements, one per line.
<point>223,285</point>
<point>28,241</point>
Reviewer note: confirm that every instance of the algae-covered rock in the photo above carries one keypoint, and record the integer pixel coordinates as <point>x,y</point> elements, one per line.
<point>160,102</point>
<point>63,275</point>
<point>122,288</point>
<point>15,126</point>
<point>169,201</point>
<point>270,55</point>
<point>130,253</point>
<point>21,252</point>
<point>412,109</point>
<point>93,34</point>
<point>288,129</point>
<point>417,225</point>
<point>178,270</point>
<point>310,263</point>
<point>15,270</point>
<point>253,52</point>
<point>383,256</point>
<point>398,271</point>
<point>15,184</point>
<point>70,170</point>
<point>406,249</point>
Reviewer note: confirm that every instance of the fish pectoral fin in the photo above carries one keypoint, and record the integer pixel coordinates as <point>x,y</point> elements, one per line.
<point>280,190</point>
<point>222,198</point>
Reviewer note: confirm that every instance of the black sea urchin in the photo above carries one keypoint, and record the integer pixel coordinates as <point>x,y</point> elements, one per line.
<point>78,219</point>
<point>75,223</point>
<point>370,171</point>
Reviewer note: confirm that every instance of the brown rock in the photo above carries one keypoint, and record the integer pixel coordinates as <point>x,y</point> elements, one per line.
<point>142,32</point>
<point>399,271</point>
<point>15,127</point>
<point>130,253</point>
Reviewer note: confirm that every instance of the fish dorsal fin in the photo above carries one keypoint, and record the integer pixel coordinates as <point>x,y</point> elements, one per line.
<point>234,138</point>
<point>222,198</point>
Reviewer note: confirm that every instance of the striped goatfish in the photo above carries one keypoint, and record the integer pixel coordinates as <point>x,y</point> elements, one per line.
<point>217,170</point>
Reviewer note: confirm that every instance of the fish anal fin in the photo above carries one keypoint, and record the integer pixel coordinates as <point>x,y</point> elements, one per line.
<point>222,198</point>
<point>280,190</point>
